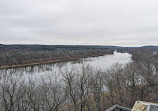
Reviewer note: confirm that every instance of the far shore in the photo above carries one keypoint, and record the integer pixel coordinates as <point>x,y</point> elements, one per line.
<point>47,62</point>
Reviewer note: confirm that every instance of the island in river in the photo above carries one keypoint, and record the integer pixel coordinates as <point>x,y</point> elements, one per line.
<point>28,55</point>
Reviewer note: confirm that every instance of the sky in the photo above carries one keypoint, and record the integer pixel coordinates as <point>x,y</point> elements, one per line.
<point>79,22</point>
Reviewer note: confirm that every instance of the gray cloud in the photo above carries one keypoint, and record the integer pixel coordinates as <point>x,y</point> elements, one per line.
<point>99,22</point>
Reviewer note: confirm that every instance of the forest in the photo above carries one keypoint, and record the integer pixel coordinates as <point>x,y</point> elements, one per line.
<point>87,90</point>
<point>25,55</point>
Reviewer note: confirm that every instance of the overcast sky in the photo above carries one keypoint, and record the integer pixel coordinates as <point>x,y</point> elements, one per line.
<point>79,22</point>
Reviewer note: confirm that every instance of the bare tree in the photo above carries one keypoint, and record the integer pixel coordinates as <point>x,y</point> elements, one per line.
<point>70,84</point>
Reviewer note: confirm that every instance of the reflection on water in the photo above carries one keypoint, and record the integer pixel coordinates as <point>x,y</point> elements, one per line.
<point>36,71</point>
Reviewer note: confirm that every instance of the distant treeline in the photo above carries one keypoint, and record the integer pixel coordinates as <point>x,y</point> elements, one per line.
<point>72,47</point>
<point>13,55</point>
<point>51,47</point>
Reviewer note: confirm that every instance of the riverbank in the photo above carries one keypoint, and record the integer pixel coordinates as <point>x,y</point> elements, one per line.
<point>50,61</point>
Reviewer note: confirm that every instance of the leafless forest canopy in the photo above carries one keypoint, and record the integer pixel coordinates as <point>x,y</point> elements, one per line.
<point>29,54</point>
<point>87,90</point>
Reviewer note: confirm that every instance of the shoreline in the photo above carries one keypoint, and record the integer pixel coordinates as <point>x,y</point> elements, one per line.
<point>48,62</point>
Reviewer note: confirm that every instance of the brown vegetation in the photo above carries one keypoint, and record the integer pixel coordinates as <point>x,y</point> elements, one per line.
<point>17,58</point>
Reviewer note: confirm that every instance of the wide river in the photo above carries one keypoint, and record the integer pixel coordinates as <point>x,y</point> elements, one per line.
<point>101,62</point>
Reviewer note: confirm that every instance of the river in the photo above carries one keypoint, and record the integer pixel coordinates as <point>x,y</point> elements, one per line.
<point>38,71</point>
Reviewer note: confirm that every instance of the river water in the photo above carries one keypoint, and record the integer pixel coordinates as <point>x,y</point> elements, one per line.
<point>38,71</point>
